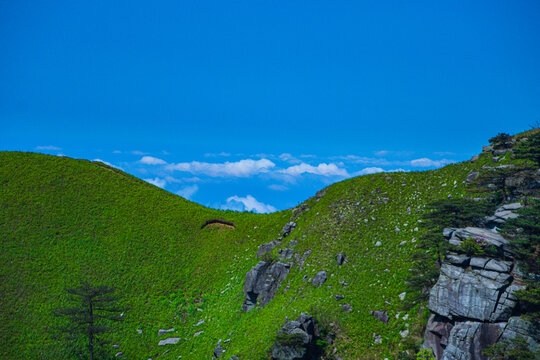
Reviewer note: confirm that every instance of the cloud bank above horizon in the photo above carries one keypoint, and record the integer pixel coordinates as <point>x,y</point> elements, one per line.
<point>260,183</point>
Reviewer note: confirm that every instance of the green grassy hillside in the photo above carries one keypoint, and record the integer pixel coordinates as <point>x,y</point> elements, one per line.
<point>63,219</point>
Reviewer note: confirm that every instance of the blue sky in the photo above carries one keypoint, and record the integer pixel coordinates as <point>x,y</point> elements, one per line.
<point>256,105</point>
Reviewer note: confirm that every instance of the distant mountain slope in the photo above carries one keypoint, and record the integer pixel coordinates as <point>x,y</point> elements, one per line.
<point>62,219</point>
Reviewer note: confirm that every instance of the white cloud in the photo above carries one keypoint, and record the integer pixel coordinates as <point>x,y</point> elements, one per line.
<point>321,169</point>
<point>278,187</point>
<point>157,182</point>
<point>355,159</point>
<point>381,153</point>
<point>425,162</point>
<point>369,170</point>
<point>188,191</point>
<point>224,154</point>
<point>289,158</point>
<point>150,160</point>
<point>108,163</point>
<point>242,168</point>
<point>397,170</point>
<point>137,152</point>
<point>48,147</point>
<point>444,153</point>
<point>116,152</point>
<point>247,203</point>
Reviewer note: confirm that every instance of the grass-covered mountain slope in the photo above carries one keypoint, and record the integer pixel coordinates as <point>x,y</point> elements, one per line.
<point>62,220</point>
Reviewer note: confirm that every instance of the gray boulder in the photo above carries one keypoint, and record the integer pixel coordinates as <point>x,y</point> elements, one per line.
<point>502,214</point>
<point>262,282</point>
<point>319,278</point>
<point>380,315</point>
<point>340,259</point>
<point>458,260</point>
<point>296,340</point>
<point>218,351</point>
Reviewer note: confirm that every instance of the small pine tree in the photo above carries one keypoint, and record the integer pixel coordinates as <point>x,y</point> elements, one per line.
<point>449,213</point>
<point>524,231</point>
<point>432,246</point>
<point>501,141</point>
<point>514,349</point>
<point>529,149</point>
<point>93,310</point>
<point>496,180</point>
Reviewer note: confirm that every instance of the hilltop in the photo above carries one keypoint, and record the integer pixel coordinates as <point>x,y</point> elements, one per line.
<point>64,219</point>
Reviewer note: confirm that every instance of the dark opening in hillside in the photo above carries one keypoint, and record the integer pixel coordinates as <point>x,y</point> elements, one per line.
<point>218,222</point>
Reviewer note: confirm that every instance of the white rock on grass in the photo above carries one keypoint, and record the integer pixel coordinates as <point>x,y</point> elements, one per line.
<point>169,341</point>
<point>164,331</point>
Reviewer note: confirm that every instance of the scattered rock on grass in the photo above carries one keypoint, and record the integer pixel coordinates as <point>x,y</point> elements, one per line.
<point>319,279</point>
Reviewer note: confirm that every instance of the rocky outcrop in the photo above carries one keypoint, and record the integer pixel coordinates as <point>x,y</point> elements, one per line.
<point>473,303</point>
<point>491,237</point>
<point>467,339</point>
<point>285,254</point>
<point>266,248</point>
<point>474,293</point>
<point>287,229</point>
<point>502,214</point>
<point>262,283</point>
<point>297,340</point>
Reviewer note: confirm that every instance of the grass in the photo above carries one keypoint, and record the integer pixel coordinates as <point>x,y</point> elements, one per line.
<point>63,219</point>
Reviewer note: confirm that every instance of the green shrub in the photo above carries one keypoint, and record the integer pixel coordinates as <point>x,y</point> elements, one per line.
<point>293,340</point>
<point>476,246</point>
<point>515,349</point>
<point>425,354</point>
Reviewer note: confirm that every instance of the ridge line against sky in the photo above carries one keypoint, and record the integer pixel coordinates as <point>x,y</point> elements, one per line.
<point>267,173</point>
<point>256,105</point>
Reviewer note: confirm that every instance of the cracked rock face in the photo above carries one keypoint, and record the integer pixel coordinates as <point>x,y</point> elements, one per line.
<point>475,293</point>
<point>467,339</point>
<point>266,248</point>
<point>262,282</point>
